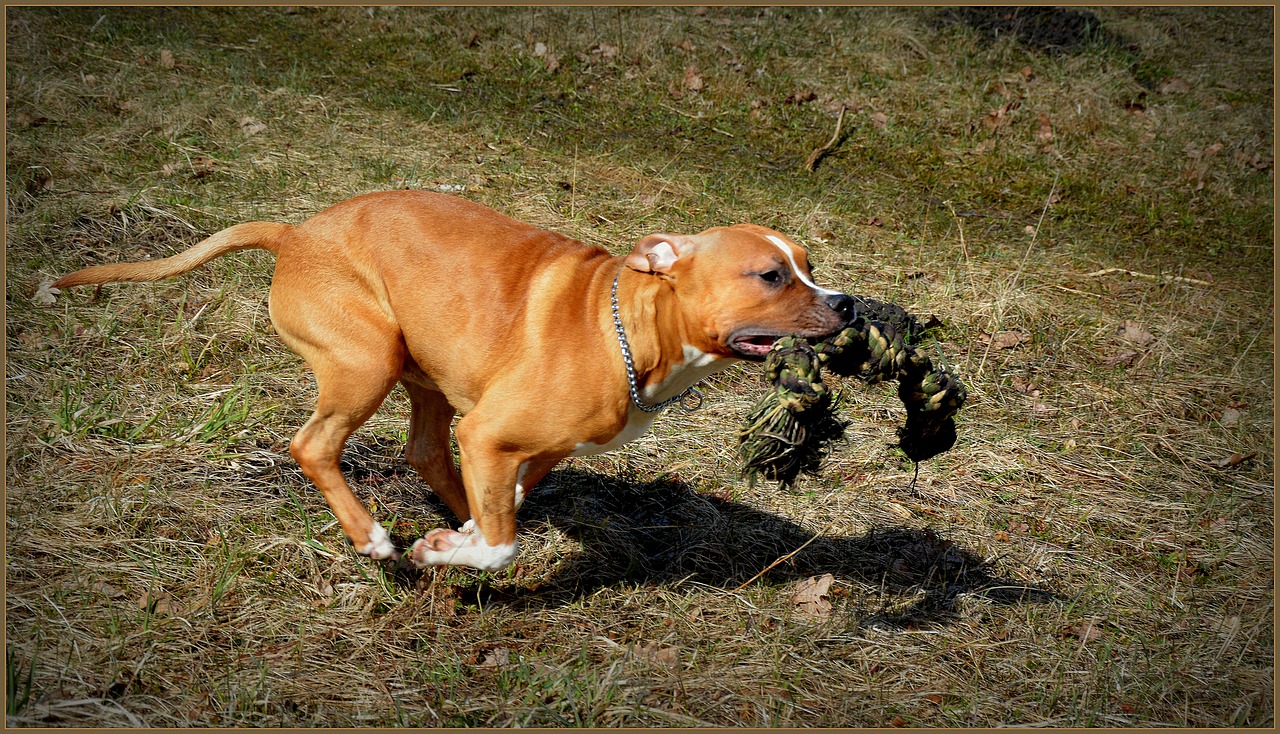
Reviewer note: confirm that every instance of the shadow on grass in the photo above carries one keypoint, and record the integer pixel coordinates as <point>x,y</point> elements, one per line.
<point>661,531</point>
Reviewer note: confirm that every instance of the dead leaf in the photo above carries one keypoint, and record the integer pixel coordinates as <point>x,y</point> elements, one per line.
<point>1125,357</point>
<point>879,119</point>
<point>692,79</point>
<point>1045,135</point>
<point>1000,536</point>
<point>800,97</point>
<point>1024,386</point>
<point>685,45</point>
<point>539,49</point>
<point>251,126</point>
<point>1027,74</point>
<point>898,722</point>
<point>553,63</point>
<point>1134,333</point>
<point>107,590</point>
<point>1230,417</point>
<point>1086,630</point>
<point>159,602</point>
<point>811,594</point>
<point>656,653</point>
<point>1006,339</point>
<point>46,294</point>
<point>202,166</point>
<point>166,58</point>
<point>496,657</point>
<point>605,51</point>
<point>1030,229</point>
<point>999,117</point>
<point>1235,459</point>
<point>1175,85</point>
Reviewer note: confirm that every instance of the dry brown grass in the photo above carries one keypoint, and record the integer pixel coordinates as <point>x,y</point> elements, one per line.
<point>1077,559</point>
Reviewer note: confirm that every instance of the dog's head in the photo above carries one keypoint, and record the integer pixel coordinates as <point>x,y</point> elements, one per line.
<point>745,285</point>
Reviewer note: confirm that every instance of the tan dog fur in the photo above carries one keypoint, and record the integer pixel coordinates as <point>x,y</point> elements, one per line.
<point>507,324</point>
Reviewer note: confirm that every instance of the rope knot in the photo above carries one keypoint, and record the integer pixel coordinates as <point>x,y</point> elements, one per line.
<point>791,429</point>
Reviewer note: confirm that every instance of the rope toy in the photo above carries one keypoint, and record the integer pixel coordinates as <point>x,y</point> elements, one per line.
<point>792,428</point>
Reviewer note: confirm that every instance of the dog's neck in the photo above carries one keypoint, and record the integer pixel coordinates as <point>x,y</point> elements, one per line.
<point>667,360</point>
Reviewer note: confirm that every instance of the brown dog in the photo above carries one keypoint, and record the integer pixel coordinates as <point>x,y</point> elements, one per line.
<point>512,326</point>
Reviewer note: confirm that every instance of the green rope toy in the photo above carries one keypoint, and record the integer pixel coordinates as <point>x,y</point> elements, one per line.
<point>792,428</point>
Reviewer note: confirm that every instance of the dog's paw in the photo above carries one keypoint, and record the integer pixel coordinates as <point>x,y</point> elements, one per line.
<point>379,546</point>
<point>431,549</point>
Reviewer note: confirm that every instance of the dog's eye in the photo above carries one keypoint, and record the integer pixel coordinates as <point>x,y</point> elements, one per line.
<point>771,277</point>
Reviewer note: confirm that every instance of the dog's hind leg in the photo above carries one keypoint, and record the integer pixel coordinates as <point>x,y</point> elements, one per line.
<point>428,446</point>
<point>357,356</point>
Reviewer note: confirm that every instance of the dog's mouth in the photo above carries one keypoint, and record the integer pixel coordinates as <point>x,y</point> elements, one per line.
<point>753,346</point>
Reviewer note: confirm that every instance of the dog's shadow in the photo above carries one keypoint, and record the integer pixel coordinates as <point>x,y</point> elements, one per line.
<point>662,531</point>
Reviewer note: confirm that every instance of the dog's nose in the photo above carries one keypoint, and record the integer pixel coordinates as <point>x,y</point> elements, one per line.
<point>843,305</point>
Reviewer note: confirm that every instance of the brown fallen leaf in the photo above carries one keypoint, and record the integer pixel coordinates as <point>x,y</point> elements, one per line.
<point>159,602</point>
<point>1175,85</point>
<point>251,126</point>
<point>496,657</point>
<point>692,79</point>
<point>1006,339</point>
<point>1025,386</point>
<point>1045,135</point>
<point>1135,333</point>
<point>1124,357</point>
<point>46,294</point>
<point>1235,459</point>
<point>605,51</point>
<point>166,58</point>
<point>202,166</point>
<point>1229,418</point>
<point>656,653</point>
<point>107,590</point>
<point>1086,630</point>
<point>999,117</point>
<point>800,97</point>
<point>811,594</point>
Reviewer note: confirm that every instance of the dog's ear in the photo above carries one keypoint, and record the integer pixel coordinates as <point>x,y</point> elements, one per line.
<point>656,253</point>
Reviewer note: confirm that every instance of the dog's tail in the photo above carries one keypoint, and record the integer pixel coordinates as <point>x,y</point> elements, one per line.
<point>261,235</point>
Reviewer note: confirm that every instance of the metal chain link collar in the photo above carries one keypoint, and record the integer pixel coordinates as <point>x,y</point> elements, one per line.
<point>690,400</point>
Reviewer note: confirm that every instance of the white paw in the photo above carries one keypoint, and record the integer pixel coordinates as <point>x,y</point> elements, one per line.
<point>468,527</point>
<point>379,545</point>
<point>450,548</point>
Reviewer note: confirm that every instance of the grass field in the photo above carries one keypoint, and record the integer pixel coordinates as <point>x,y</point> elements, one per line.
<point>1092,223</point>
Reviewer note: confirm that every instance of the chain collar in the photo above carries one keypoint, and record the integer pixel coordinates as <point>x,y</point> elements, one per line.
<point>690,400</point>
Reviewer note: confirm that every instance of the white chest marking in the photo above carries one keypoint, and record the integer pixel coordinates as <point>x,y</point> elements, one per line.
<point>803,278</point>
<point>520,492</point>
<point>697,364</point>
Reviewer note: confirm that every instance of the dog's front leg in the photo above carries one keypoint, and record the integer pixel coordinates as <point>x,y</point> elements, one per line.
<point>496,480</point>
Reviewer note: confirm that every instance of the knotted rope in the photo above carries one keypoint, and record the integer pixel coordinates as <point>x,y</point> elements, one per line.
<point>792,428</point>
